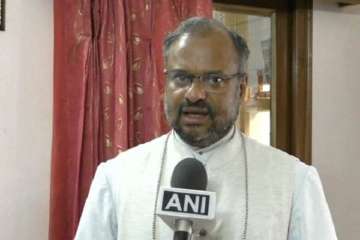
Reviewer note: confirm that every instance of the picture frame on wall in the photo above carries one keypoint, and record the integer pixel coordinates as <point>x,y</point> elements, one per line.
<point>2,15</point>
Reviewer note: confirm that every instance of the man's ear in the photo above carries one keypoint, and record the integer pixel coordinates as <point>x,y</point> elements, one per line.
<point>243,85</point>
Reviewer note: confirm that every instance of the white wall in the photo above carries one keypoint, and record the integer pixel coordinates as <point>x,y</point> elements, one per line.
<point>25,119</point>
<point>336,111</point>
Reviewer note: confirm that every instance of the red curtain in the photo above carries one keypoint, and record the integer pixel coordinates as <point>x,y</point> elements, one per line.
<point>108,86</point>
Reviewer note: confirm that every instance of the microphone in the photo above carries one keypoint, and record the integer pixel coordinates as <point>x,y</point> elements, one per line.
<point>186,204</point>
<point>189,173</point>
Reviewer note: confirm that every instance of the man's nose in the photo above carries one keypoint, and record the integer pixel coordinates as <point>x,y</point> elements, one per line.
<point>196,91</point>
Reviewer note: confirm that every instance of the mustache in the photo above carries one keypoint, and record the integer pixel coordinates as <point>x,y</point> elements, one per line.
<point>198,104</point>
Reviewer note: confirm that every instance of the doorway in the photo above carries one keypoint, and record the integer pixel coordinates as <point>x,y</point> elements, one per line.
<point>276,108</point>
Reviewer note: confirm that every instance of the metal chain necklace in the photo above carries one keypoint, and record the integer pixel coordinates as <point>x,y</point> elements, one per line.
<point>246,183</point>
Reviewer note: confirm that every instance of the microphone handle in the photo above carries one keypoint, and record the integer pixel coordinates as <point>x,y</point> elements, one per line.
<point>183,229</point>
<point>181,235</point>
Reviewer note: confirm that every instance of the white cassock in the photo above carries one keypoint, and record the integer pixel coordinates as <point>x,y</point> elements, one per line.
<point>285,197</point>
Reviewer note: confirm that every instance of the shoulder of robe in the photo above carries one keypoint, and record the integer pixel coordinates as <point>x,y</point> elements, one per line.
<point>136,159</point>
<point>270,155</point>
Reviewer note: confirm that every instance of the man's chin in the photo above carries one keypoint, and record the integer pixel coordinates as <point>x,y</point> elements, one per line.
<point>195,129</point>
<point>195,136</point>
<point>201,135</point>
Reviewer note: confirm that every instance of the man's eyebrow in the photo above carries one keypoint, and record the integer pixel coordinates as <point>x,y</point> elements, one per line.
<point>177,70</point>
<point>180,70</point>
<point>214,72</point>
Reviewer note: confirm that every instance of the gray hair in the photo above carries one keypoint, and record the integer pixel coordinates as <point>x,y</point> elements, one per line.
<point>199,25</point>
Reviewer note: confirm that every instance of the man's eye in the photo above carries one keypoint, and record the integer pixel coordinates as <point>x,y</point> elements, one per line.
<point>181,79</point>
<point>214,79</point>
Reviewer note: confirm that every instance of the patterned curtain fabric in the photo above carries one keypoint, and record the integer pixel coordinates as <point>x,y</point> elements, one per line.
<point>108,85</point>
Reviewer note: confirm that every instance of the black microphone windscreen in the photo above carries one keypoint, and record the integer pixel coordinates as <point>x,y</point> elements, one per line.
<point>189,173</point>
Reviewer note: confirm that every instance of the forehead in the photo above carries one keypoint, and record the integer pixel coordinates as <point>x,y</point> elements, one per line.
<point>209,51</point>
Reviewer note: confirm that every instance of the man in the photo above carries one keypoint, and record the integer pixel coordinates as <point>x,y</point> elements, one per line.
<point>262,193</point>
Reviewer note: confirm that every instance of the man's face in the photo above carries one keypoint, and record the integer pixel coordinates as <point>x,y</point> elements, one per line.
<point>200,113</point>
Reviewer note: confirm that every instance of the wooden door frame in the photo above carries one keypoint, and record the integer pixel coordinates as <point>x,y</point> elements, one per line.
<point>294,73</point>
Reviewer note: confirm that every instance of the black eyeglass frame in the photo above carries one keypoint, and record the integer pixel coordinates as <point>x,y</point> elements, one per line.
<point>204,78</point>
<point>201,76</point>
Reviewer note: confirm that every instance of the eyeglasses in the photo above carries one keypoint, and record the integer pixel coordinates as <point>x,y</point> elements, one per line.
<point>213,82</point>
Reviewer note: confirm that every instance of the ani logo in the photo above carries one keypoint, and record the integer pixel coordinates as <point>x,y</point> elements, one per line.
<point>185,203</point>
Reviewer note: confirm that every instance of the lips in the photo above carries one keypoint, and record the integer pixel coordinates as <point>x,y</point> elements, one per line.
<point>194,115</point>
